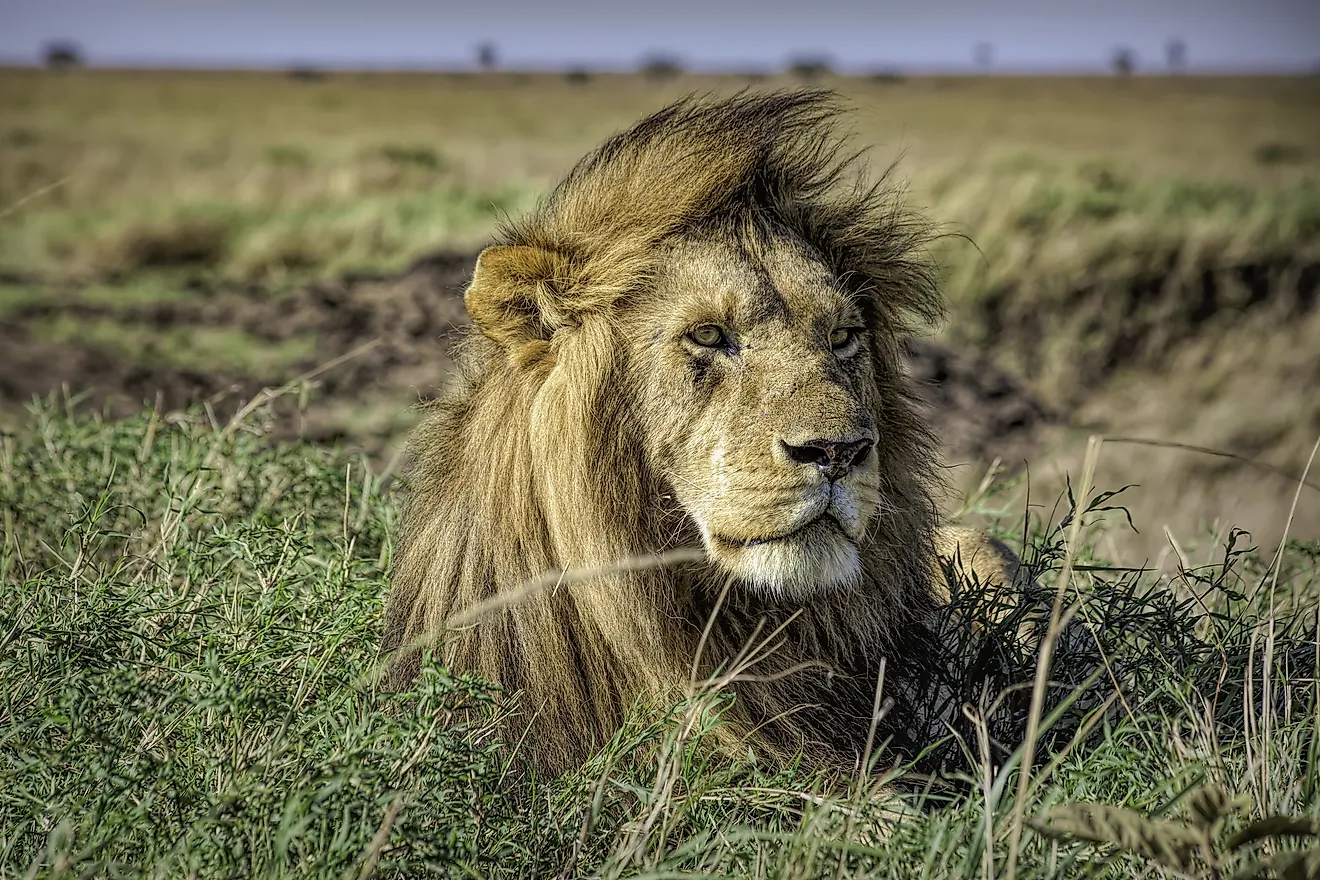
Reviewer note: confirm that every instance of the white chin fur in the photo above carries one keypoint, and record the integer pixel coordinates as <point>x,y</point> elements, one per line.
<point>797,566</point>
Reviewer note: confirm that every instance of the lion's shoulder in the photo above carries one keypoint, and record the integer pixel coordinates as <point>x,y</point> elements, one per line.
<point>974,556</point>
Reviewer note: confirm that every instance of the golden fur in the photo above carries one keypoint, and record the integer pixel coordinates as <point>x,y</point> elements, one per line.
<point>591,422</point>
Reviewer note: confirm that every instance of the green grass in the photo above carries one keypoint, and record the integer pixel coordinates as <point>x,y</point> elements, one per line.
<point>189,620</point>
<point>146,288</point>
<point>273,244</point>
<point>199,347</point>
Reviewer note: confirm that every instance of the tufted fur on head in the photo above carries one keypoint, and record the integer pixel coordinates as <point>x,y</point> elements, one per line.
<point>570,435</point>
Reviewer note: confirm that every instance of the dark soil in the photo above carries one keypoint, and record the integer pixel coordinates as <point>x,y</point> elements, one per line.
<point>1135,322</point>
<point>978,410</point>
<point>102,378</point>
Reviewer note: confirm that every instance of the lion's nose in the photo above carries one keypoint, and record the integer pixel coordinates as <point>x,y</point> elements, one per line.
<point>833,458</point>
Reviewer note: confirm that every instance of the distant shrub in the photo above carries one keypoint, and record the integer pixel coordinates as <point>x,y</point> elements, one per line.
<point>416,156</point>
<point>1123,61</point>
<point>1274,153</point>
<point>304,73</point>
<point>888,76</point>
<point>661,66</point>
<point>487,56</point>
<point>1175,55</point>
<point>809,67</point>
<point>578,76</point>
<point>63,54</point>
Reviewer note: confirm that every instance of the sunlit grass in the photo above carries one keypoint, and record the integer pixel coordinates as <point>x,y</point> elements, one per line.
<point>190,614</point>
<point>267,243</point>
<point>364,171</point>
<point>203,348</point>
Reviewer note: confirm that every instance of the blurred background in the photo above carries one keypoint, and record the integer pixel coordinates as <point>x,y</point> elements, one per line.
<point>199,200</point>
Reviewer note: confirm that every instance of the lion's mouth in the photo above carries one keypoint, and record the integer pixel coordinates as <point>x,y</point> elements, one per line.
<point>742,543</point>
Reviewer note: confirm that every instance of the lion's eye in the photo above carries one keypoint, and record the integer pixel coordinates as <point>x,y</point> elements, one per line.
<point>709,336</point>
<point>843,339</point>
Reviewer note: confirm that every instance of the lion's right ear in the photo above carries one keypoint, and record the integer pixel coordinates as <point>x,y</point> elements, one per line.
<point>520,294</point>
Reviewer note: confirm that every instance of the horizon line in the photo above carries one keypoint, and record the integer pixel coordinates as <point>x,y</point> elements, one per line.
<point>749,68</point>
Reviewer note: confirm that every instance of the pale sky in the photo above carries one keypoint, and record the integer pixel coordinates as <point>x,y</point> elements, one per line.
<point>1281,35</point>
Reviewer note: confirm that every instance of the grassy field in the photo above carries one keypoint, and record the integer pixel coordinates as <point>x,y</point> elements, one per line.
<point>253,173</point>
<point>190,612</point>
<point>189,630</point>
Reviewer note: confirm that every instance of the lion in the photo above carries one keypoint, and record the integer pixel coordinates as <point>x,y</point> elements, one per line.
<point>692,342</point>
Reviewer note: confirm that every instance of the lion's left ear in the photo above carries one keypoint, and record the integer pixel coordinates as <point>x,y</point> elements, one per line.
<point>520,294</point>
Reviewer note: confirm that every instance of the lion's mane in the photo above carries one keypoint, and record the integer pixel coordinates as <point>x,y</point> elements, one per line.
<point>529,462</point>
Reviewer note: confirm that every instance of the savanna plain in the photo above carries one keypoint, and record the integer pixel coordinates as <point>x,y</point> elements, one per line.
<point>221,295</point>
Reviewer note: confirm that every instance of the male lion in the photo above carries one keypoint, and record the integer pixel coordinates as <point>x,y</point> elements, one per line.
<point>694,341</point>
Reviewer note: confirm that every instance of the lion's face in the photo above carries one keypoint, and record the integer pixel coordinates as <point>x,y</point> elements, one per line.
<point>758,402</point>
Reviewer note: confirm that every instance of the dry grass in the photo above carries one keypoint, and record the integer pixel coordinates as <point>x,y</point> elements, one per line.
<point>254,168</point>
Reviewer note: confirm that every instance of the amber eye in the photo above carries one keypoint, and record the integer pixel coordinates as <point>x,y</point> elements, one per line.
<point>709,336</point>
<point>844,339</point>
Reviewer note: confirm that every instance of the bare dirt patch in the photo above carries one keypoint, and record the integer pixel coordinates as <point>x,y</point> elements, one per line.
<point>102,378</point>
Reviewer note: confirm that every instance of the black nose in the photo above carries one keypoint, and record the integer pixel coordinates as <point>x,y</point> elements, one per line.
<point>833,458</point>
